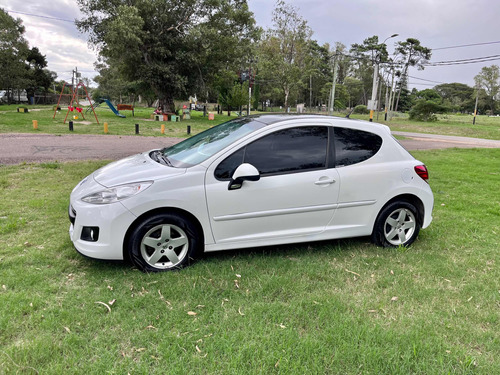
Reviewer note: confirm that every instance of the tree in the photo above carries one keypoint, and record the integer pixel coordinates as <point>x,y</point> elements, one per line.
<point>39,78</point>
<point>175,46</point>
<point>458,95</point>
<point>283,51</point>
<point>355,91</point>
<point>13,52</point>
<point>488,79</point>
<point>411,54</point>
<point>429,94</point>
<point>425,110</point>
<point>367,55</point>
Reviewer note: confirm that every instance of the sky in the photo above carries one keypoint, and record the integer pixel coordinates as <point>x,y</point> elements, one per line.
<point>436,23</point>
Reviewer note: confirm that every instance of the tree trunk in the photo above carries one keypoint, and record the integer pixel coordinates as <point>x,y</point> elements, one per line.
<point>167,104</point>
<point>287,92</point>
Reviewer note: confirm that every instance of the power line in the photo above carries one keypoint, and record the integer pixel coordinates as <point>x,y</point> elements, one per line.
<point>461,60</point>
<point>421,84</point>
<point>466,45</point>
<point>426,80</point>
<point>37,15</point>
<point>463,63</point>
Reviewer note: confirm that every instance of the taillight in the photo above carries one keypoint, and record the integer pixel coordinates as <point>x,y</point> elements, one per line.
<point>421,170</point>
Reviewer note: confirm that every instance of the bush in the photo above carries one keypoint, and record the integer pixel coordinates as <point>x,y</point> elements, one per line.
<point>425,110</point>
<point>361,110</point>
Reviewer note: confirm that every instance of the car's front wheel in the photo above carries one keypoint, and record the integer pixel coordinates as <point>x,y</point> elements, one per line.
<point>164,242</point>
<point>396,225</point>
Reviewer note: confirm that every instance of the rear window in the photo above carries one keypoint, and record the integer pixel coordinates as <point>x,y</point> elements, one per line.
<point>354,146</point>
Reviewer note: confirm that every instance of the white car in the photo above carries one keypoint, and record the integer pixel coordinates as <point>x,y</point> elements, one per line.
<point>253,181</point>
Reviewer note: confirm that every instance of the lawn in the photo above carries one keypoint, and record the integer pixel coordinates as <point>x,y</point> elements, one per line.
<point>447,124</point>
<point>334,307</point>
<point>12,121</point>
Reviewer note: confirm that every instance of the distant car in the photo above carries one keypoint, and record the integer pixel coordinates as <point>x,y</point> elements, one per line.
<point>17,96</point>
<point>253,181</point>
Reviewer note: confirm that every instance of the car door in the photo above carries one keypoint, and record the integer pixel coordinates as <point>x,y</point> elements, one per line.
<point>296,194</point>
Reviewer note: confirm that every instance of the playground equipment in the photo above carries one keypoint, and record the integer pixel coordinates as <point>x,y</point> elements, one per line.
<point>126,107</point>
<point>113,109</point>
<point>116,111</point>
<point>71,108</point>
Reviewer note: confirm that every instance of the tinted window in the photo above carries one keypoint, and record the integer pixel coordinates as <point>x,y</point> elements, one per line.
<point>226,169</point>
<point>289,150</point>
<point>354,146</point>
<point>200,147</point>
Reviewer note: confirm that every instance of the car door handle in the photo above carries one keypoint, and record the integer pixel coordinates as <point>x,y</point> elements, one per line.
<point>325,181</point>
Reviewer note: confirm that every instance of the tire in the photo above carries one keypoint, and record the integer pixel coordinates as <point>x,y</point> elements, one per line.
<point>163,242</point>
<point>397,225</point>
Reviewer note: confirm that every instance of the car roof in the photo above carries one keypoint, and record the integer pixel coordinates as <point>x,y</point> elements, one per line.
<point>270,119</point>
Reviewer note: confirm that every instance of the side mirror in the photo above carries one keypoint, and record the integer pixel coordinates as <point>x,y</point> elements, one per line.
<point>245,172</point>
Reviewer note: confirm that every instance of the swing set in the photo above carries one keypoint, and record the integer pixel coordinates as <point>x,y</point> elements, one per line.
<point>74,95</point>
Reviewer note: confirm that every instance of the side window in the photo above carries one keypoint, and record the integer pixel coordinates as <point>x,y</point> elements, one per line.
<point>225,170</point>
<point>289,150</point>
<point>354,146</point>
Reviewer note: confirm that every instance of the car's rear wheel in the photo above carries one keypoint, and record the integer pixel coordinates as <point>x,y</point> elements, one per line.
<point>164,242</point>
<point>397,224</point>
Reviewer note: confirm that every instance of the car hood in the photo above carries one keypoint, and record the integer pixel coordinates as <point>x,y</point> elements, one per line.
<point>135,168</point>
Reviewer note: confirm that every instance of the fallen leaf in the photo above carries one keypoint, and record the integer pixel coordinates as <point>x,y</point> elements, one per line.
<point>4,287</point>
<point>67,329</point>
<point>282,326</point>
<point>392,272</point>
<point>112,302</point>
<point>239,311</point>
<point>150,327</point>
<point>469,299</point>
<point>198,349</point>
<point>192,313</point>
<point>394,299</point>
<point>110,287</point>
<point>239,276</point>
<point>140,350</point>
<point>372,311</point>
<point>354,273</point>
<point>200,305</point>
<point>104,304</point>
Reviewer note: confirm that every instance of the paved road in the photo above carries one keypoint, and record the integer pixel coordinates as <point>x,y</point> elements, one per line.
<point>18,147</point>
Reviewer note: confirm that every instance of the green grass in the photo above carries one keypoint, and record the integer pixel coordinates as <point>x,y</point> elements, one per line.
<point>12,121</point>
<point>449,124</point>
<point>335,307</point>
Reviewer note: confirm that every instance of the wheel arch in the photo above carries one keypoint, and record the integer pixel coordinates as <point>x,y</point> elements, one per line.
<point>161,210</point>
<point>410,198</point>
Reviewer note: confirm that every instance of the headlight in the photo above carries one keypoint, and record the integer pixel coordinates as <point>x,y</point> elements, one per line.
<point>116,193</point>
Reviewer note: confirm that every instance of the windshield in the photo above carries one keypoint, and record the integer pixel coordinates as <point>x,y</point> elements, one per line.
<point>200,147</point>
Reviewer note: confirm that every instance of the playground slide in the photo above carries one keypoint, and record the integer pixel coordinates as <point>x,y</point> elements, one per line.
<point>112,107</point>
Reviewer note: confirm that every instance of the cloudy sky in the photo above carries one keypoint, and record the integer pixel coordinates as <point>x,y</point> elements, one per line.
<point>436,23</point>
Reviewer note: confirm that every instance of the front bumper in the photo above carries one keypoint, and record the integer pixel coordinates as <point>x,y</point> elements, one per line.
<point>113,221</point>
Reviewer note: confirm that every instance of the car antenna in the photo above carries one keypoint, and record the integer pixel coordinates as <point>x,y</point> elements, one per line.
<point>349,114</point>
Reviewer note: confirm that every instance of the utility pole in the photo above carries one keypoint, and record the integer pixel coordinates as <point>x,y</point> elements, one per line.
<point>310,92</point>
<point>372,103</point>
<point>390,96</point>
<point>331,103</point>
<point>379,96</point>
<point>475,107</point>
